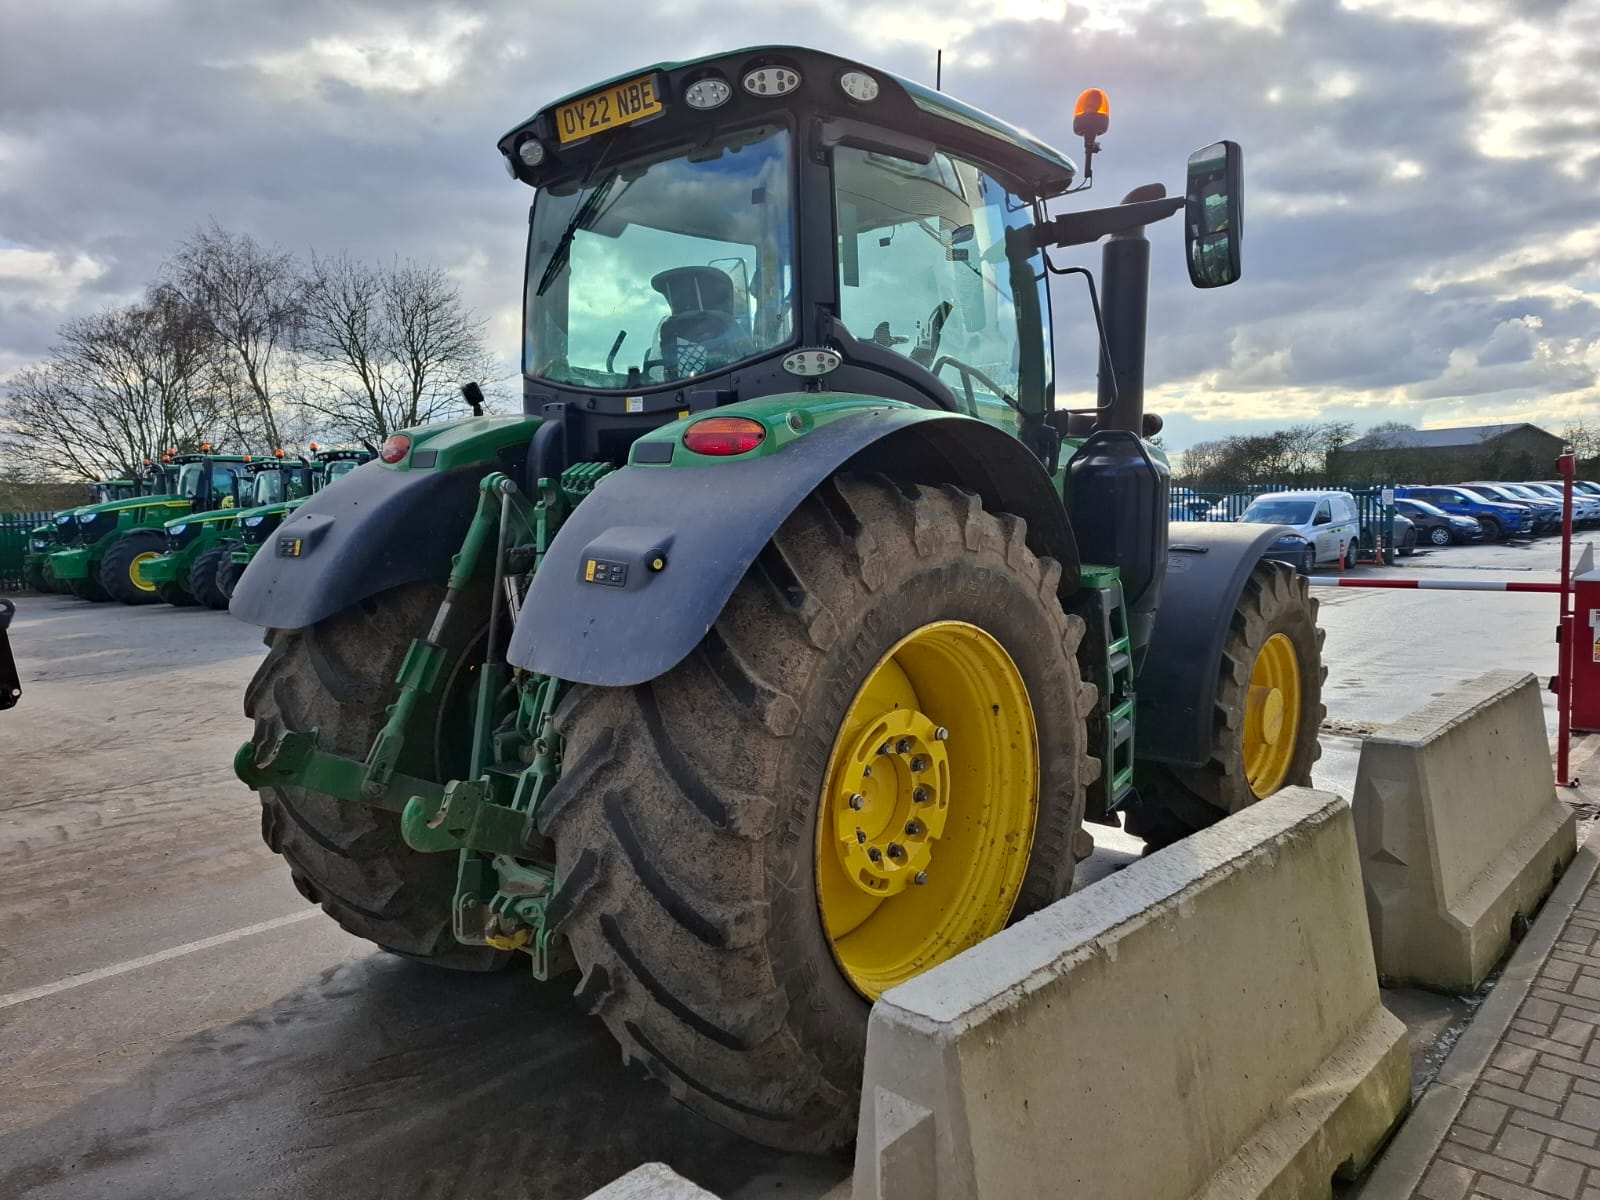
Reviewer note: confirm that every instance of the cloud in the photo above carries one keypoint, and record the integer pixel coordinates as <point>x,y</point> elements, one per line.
<point>1421,240</point>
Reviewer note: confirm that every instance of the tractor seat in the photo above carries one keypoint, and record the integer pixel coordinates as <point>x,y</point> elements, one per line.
<point>702,330</point>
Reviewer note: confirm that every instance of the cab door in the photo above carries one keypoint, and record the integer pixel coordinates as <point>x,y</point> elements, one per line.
<point>1324,532</point>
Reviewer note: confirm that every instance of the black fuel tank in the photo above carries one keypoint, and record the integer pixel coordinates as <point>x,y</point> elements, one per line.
<point>1118,500</point>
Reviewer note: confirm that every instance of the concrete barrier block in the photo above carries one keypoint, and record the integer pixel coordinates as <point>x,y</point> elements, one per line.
<point>652,1181</point>
<point>1460,830</point>
<point>1204,1023</point>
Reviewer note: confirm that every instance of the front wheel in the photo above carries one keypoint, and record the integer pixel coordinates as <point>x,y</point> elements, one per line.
<point>1265,718</point>
<point>1308,561</point>
<point>203,576</point>
<point>122,569</point>
<point>874,760</point>
<point>1440,536</point>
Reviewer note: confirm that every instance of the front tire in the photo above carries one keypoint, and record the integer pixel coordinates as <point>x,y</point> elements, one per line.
<point>120,568</point>
<point>337,676</point>
<point>700,820</point>
<point>1259,744</point>
<point>203,576</point>
<point>1440,536</point>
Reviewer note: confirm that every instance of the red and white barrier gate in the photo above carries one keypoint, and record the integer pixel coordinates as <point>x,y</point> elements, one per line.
<point>1577,683</point>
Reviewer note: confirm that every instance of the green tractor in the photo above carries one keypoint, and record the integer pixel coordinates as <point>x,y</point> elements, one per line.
<point>198,546</point>
<point>257,523</point>
<point>781,649</point>
<point>107,545</point>
<point>37,573</point>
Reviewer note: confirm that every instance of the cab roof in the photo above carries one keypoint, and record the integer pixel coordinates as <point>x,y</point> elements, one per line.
<point>901,105</point>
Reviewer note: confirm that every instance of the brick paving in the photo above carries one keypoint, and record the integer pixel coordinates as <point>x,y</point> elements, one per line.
<point>1530,1127</point>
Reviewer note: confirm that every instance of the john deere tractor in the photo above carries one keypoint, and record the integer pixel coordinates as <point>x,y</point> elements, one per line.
<point>38,574</point>
<point>256,524</point>
<point>779,651</point>
<point>197,545</point>
<point>108,545</point>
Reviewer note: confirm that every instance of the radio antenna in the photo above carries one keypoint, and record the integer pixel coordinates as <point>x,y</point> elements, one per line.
<point>938,70</point>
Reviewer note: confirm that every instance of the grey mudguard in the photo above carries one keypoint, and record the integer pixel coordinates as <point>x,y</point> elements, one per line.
<point>624,623</point>
<point>374,529</point>
<point>1207,566</point>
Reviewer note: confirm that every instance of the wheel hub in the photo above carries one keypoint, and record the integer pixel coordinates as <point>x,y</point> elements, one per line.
<point>1272,716</point>
<point>890,801</point>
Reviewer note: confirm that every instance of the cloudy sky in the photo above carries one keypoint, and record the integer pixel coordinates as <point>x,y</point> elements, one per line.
<point>1422,176</point>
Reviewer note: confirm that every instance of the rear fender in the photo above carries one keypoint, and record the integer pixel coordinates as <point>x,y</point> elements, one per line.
<point>623,620</point>
<point>380,526</point>
<point>1207,566</point>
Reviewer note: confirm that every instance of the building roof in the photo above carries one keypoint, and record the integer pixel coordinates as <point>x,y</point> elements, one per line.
<point>1462,436</point>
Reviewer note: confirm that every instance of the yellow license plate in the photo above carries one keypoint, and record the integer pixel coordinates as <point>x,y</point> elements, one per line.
<point>619,104</point>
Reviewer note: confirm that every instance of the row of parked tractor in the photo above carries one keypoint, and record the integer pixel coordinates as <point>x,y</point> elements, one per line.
<point>181,528</point>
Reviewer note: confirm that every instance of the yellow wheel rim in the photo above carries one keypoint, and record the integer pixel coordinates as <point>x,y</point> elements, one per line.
<point>1272,716</point>
<point>136,570</point>
<point>928,806</point>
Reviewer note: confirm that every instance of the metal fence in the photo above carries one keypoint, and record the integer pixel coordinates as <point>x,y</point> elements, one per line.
<point>1374,505</point>
<point>14,544</point>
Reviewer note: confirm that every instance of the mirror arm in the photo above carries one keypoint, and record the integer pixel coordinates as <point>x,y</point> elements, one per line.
<point>1081,228</point>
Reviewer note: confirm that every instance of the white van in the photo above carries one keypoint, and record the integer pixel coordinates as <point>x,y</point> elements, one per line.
<point>1325,525</point>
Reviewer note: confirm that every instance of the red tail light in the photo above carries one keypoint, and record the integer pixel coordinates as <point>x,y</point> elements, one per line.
<point>724,435</point>
<point>395,448</point>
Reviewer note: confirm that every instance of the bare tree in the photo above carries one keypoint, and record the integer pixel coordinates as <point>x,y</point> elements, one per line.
<point>386,347</point>
<point>117,387</point>
<point>252,301</point>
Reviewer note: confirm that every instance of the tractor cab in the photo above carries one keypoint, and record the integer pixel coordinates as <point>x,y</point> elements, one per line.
<point>211,481</point>
<point>275,480</point>
<point>777,219</point>
<point>333,465</point>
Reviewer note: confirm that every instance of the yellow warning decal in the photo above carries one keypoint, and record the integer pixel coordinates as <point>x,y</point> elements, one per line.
<point>588,572</point>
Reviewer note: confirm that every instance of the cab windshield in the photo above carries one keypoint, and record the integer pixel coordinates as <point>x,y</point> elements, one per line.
<point>192,475</point>
<point>655,272</point>
<point>268,488</point>
<point>1278,512</point>
<point>339,468</point>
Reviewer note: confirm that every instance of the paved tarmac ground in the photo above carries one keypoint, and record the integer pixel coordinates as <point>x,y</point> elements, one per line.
<point>176,1021</point>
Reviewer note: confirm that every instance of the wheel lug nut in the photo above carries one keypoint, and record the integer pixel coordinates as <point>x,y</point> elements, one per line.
<point>920,795</point>
<point>861,837</point>
<point>940,734</point>
<point>920,878</point>
<point>874,854</point>
<point>913,828</point>
<point>903,746</point>
<point>883,749</point>
<point>857,801</point>
<point>896,850</point>
<point>919,763</point>
<point>866,772</point>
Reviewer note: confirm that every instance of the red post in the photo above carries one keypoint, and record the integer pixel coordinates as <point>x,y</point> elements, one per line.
<point>1566,652</point>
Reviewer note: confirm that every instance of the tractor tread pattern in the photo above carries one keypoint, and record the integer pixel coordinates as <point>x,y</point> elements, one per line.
<point>203,585</point>
<point>671,836</point>
<point>1177,801</point>
<point>351,859</point>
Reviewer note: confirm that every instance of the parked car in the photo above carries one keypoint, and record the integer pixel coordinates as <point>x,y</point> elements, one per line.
<point>1497,518</point>
<point>1324,526</point>
<point>1437,527</point>
<point>1405,536</point>
<point>1585,507</point>
<point>1546,512</point>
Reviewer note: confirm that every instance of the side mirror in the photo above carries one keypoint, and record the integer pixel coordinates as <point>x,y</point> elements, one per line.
<point>1214,221</point>
<point>473,395</point>
<point>1322,519</point>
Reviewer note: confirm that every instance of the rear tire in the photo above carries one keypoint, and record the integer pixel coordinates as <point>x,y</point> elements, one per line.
<point>337,676</point>
<point>686,822</point>
<point>203,576</point>
<point>1493,531</point>
<point>1177,801</point>
<point>117,567</point>
<point>228,573</point>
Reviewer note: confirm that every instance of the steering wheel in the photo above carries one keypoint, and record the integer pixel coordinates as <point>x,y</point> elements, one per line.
<point>968,374</point>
